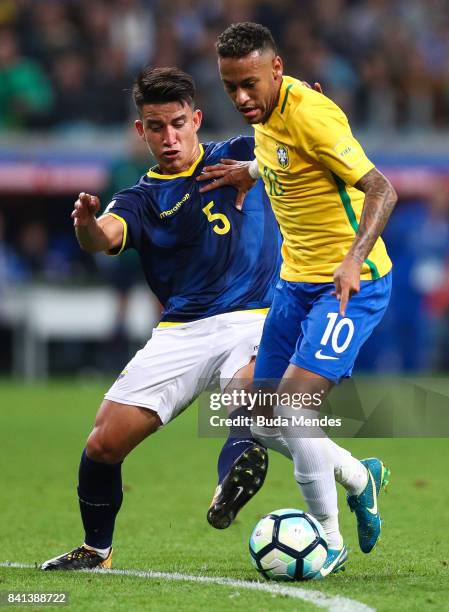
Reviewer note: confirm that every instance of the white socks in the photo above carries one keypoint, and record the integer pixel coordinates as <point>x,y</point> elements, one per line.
<point>348,470</point>
<point>318,463</point>
<point>271,437</point>
<point>314,472</point>
<point>102,552</point>
<point>332,531</point>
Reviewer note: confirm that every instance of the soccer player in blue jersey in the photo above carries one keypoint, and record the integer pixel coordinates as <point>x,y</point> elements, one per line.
<point>213,267</point>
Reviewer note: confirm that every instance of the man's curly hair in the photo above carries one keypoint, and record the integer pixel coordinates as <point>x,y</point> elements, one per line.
<point>240,39</point>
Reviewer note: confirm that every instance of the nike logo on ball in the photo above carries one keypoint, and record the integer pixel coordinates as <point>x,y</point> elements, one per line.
<point>319,355</point>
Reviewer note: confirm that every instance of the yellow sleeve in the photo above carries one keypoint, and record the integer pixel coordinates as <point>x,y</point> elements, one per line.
<point>322,128</point>
<point>125,235</point>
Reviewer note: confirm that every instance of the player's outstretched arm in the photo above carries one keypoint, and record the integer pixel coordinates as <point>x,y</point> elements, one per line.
<point>238,174</point>
<point>103,234</point>
<point>380,199</point>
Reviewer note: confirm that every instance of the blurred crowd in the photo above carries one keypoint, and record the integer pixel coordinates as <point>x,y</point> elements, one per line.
<point>66,63</point>
<point>413,337</point>
<point>414,334</point>
<point>69,65</point>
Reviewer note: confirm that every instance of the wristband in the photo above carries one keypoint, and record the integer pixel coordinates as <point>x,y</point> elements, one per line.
<point>253,169</point>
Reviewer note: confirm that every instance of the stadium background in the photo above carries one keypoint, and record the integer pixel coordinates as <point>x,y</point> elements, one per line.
<point>66,68</point>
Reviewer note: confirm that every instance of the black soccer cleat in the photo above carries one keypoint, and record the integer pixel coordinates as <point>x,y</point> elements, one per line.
<point>244,479</point>
<point>81,558</point>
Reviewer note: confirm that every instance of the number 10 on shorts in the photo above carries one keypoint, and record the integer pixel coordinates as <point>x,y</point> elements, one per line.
<point>333,332</point>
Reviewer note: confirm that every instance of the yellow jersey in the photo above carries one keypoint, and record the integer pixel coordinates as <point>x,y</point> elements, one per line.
<point>309,161</point>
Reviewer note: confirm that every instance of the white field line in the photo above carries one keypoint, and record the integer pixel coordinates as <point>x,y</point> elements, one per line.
<point>333,603</point>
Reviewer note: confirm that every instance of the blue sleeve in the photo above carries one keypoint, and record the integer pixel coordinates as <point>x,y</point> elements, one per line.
<point>242,148</point>
<point>126,206</point>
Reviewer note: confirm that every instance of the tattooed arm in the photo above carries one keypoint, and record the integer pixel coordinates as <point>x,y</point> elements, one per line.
<point>380,199</point>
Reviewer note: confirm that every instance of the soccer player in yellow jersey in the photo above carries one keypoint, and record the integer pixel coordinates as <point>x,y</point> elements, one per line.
<point>332,205</point>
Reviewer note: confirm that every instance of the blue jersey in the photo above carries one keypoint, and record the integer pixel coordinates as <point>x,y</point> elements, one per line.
<point>201,255</point>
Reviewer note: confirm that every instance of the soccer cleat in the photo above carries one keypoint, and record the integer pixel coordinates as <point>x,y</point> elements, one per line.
<point>335,562</point>
<point>78,559</point>
<point>242,482</point>
<point>365,505</point>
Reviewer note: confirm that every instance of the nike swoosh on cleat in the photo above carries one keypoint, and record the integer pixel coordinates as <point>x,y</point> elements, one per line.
<point>239,492</point>
<point>328,570</point>
<point>319,355</point>
<point>373,509</point>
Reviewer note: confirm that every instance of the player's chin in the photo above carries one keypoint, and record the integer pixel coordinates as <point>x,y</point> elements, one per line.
<point>172,165</point>
<point>253,121</point>
<point>252,117</point>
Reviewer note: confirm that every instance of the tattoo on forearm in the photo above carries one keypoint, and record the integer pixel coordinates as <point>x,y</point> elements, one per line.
<point>380,199</point>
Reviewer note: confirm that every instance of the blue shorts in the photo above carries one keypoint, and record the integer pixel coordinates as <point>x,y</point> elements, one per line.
<point>304,327</point>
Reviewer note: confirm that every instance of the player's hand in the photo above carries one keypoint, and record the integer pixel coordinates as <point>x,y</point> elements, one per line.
<point>86,207</point>
<point>347,281</point>
<point>228,172</point>
<point>316,86</point>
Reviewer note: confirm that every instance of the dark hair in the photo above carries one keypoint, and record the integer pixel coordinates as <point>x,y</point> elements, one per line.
<point>162,85</point>
<point>240,39</point>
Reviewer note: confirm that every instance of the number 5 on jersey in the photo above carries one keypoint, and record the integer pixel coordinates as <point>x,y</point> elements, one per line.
<point>222,225</point>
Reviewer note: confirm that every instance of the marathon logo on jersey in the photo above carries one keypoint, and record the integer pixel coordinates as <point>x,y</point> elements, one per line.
<point>282,153</point>
<point>349,151</point>
<point>177,206</point>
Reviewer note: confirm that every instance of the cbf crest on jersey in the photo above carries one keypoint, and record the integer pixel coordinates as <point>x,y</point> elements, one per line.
<point>282,152</point>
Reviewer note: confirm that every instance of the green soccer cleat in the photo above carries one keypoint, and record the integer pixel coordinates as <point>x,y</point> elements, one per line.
<point>365,505</point>
<point>240,484</point>
<point>335,562</point>
<point>81,558</point>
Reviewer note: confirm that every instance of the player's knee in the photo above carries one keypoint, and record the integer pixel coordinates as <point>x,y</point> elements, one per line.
<point>101,448</point>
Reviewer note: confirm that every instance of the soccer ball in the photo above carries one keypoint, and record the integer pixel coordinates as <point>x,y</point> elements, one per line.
<point>288,545</point>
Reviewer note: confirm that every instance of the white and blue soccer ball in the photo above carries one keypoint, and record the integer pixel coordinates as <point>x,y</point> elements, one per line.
<point>288,545</point>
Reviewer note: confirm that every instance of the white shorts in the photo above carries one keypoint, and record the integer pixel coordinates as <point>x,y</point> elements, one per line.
<point>181,359</point>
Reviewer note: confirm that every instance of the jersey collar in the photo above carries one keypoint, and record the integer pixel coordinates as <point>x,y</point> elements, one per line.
<point>286,85</point>
<point>151,173</point>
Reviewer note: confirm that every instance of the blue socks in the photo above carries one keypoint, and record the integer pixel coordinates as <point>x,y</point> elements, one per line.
<point>100,484</point>
<point>239,440</point>
<point>100,497</point>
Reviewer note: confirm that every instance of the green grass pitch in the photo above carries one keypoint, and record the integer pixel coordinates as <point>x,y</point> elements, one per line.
<point>168,483</point>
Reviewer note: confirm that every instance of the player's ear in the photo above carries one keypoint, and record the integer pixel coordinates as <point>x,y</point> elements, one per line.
<point>139,127</point>
<point>197,118</point>
<point>278,68</point>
